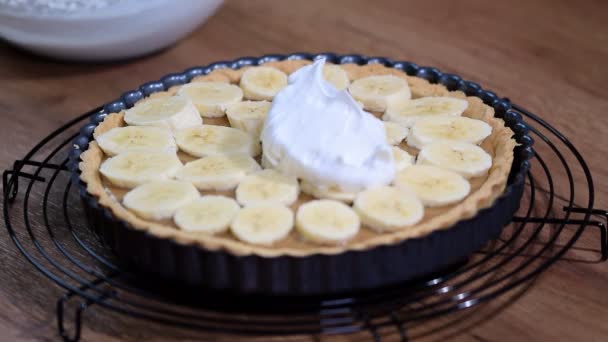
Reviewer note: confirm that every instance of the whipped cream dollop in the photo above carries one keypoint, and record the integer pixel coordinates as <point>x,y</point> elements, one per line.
<point>320,134</point>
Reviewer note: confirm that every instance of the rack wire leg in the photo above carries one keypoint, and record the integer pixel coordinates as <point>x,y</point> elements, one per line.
<point>601,226</point>
<point>10,178</point>
<point>60,310</point>
<point>77,319</point>
<point>400,327</point>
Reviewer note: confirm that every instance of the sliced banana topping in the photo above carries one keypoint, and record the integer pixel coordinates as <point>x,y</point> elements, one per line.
<point>210,214</point>
<point>132,168</point>
<point>386,208</point>
<point>262,83</point>
<point>432,185</point>
<point>159,200</point>
<point>211,98</point>
<point>327,192</point>
<point>376,92</point>
<point>327,222</point>
<point>136,138</point>
<point>429,130</point>
<point>208,140</point>
<point>174,113</point>
<point>248,116</point>
<point>335,75</point>
<point>408,112</point>
<point>143,157</point>
<point>402,158</point>
<point>395,132</point>
<point>221,172</point>
<point>262,224</point>
<point>268,186</point>
<point>464,158</point>
<point>266,164</point>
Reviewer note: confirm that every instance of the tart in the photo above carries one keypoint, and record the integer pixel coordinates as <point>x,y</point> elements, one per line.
<point>233,104</point>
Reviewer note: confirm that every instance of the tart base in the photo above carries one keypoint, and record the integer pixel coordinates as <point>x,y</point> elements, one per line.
<point>319,274</point>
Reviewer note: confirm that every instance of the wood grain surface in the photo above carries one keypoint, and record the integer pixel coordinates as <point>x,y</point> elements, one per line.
<point>546,55</point>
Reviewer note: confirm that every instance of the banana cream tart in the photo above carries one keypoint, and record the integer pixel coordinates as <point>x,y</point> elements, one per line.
<point>297,158</point>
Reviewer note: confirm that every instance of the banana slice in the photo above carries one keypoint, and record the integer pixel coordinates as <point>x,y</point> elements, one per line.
<point>268,186</point>
<point>211,98</point>
<point>336,76</point>
<point>136,138</point>
<point>464,158</point>
<point>395,132</point>
<point>221,172</point>
<point>262,83</point>
<point>432,185</point>
<point>159,200</point>
<point>262,224</point>
<point>402,158</point>
<point>208,140</point>
<point>408,112</point>
<point>375,92</point>
<point>132,168</point>
<point>266,164</point>
<point>248,116</point>
<point>174,112</point>
<point>327,222</point>
<point>428,130</point>
<point>332,193</point>
<point>209,214</point>
<point>386,208</point>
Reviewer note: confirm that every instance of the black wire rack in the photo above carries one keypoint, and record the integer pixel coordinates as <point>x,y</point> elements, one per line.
<point>44,220</point>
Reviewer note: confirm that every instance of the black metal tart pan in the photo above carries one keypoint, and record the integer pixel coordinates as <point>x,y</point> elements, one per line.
<point>193,266</point>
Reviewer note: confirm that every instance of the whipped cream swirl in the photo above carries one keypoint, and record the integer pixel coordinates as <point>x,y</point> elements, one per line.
<point>320,134</point>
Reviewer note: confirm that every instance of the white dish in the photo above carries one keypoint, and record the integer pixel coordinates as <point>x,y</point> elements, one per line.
<point>122,30</point>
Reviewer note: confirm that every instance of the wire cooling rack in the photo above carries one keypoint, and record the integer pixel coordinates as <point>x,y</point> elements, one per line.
<point>43,218</point>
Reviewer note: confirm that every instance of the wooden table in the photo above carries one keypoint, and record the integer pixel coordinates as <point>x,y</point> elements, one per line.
<point>549,56</point>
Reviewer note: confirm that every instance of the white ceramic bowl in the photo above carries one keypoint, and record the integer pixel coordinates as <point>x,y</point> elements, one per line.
<point>127,29</point>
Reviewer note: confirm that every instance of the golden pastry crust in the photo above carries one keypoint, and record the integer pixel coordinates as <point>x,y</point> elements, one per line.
<point>500,143</point>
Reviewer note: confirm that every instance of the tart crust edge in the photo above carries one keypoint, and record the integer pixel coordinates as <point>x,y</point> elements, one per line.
<point>501,141</point>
